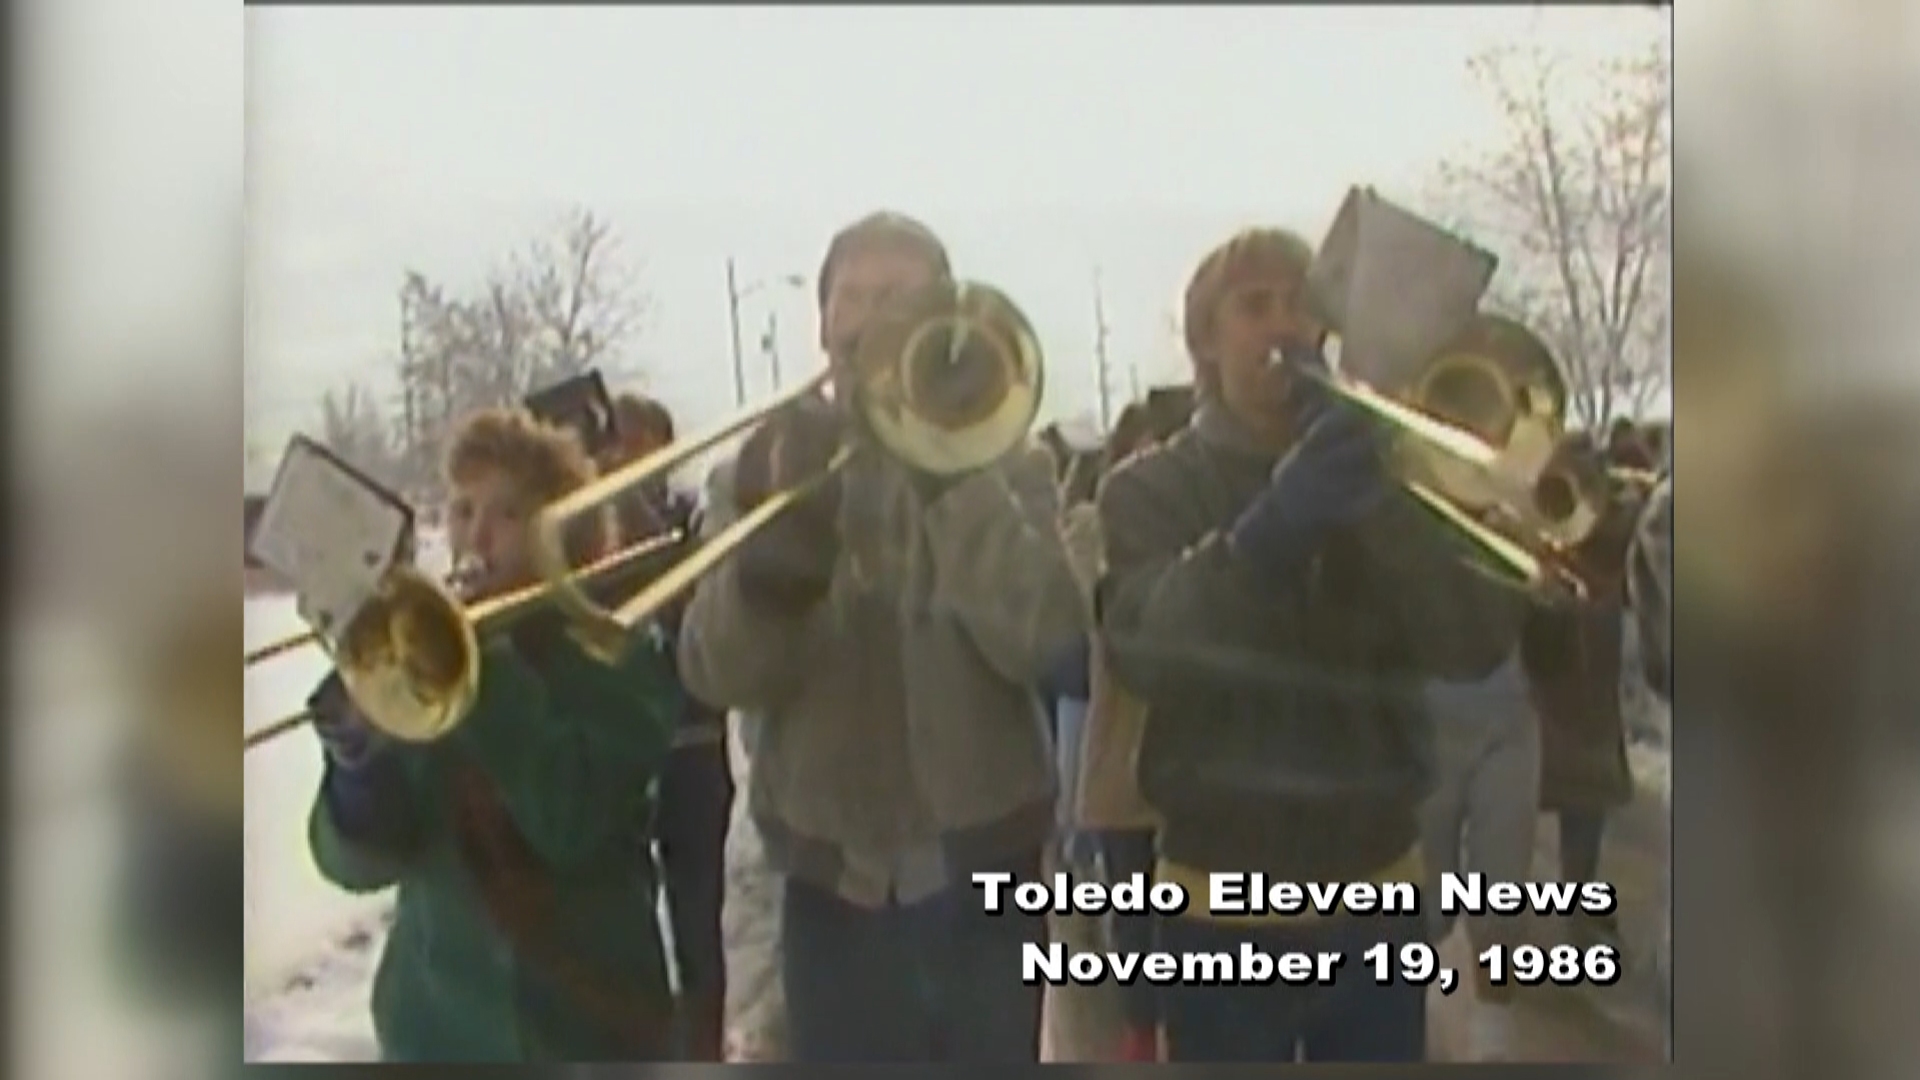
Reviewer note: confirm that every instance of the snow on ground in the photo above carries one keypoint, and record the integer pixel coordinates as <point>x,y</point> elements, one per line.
<point>310,947</point>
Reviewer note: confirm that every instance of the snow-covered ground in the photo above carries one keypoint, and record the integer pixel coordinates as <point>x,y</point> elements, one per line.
<point>309,945</point>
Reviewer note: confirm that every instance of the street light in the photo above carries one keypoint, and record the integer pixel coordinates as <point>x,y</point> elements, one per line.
<point>736,293</point>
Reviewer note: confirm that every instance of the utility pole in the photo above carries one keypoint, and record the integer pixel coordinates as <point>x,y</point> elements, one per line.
<point>1100,352</point>
<point>737,292</point>
<point>733,324</point>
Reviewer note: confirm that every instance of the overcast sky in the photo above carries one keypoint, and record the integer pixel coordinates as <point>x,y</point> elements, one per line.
<point>1044,144</point>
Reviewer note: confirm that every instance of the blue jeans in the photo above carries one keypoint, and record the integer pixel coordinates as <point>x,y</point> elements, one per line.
<point>936,981</point>
<point>1352,1020</point>
<point>1070,740</point>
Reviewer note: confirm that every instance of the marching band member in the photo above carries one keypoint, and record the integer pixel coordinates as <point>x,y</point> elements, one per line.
<point>696,787</point>
<point>888,633</point>
<point>1279,604</point>
<point>1572,654</point>
<point>643,425</point>
<point>518,842</point>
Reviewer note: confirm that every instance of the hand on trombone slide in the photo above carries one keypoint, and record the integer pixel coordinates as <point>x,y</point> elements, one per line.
<point>789,564</point>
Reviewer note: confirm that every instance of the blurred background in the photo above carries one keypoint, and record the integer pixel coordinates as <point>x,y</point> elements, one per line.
<point>172,152</point>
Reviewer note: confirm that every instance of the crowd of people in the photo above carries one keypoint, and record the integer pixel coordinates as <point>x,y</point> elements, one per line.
<point>1232,643</point>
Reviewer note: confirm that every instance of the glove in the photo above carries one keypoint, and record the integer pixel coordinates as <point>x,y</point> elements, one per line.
<point>792,446</point>
<point>345,735</point>
<point>355,778</point>
<point>1331,478</point>
<point>788,564</point>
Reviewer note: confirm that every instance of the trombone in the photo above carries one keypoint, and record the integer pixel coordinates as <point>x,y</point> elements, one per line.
<point>947,381</point>
<point>1482,436</point>
<point>1478,402</point>
<point>412,607</point>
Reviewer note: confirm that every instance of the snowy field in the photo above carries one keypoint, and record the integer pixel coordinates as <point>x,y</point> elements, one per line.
<point>309,945</point>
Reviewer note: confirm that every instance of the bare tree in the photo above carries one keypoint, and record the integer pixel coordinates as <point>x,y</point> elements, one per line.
<point>562,305</point>
<point>1576,201</point>
<point>351,425</point>
<point>580,301</point>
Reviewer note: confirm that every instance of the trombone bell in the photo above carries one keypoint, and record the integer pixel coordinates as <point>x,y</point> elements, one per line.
<point>1477,401</point>
<point>403,647</point>
<point>949,380</point>
<point>946,381</point>
<point>410,659</point>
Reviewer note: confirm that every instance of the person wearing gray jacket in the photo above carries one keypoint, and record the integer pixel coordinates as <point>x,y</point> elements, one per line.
<point>889,630</point>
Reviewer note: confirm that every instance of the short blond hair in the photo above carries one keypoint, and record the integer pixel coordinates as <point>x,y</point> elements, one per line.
<point>541,460</point>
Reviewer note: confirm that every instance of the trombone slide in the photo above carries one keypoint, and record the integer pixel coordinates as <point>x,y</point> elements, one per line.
<point>486,617</point>
<point>946,380</point>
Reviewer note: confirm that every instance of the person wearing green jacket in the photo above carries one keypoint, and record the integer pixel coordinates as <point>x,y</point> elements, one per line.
<point>518,845</point>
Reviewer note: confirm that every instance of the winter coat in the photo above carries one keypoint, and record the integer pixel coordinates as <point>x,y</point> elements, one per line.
<point>525,927</point>
<point>904,747</point>
<point>1572,658</point>
<point>1286,730</point>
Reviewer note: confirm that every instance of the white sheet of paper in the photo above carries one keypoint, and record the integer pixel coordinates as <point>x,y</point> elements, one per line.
<point>329,533</point>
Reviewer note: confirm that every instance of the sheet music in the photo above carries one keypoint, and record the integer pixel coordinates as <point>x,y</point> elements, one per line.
<point>329,532</point>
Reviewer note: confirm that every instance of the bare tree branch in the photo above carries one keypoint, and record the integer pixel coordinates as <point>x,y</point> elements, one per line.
<point>562,305</point>
<point>1578,200</point>
<point>351,425</point>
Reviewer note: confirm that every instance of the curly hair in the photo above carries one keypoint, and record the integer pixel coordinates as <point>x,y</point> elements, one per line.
<point>541,460</point>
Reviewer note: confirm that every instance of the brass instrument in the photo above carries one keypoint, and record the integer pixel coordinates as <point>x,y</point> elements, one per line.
<point>410,656</point>
<point>1477,400</point>
<point>946,381</point>
<point>455,581</point>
